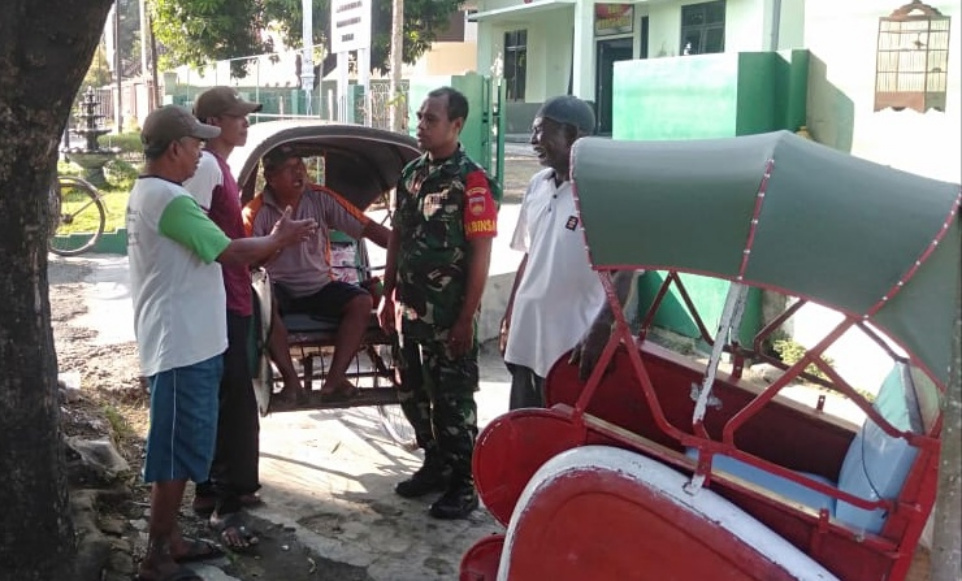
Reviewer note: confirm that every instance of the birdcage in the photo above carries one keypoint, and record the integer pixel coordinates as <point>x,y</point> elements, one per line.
<point>912,61</point>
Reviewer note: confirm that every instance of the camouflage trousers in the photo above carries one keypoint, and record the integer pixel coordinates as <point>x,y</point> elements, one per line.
<point>437,396</point>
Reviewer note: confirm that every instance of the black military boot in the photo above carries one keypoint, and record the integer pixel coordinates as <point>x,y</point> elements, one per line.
<point>458,501</point>
<point>432,476</point>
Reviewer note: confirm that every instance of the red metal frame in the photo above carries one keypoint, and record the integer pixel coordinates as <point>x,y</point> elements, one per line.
<point>853,555</point>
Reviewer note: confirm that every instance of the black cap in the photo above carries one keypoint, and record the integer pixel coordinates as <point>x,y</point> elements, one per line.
<point>570,110</point>
<point>279,155</point>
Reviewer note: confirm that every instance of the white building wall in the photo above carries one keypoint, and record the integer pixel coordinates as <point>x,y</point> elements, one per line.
<point>747,25</point>
<point>664,30</point>
<point>549,55</point>
<point>842,92</point>
<point>548,51</point>
<point>792,31</point>
<point>746,28</point>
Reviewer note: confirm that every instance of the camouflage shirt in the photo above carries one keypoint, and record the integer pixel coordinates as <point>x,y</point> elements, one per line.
<point>441,206</point>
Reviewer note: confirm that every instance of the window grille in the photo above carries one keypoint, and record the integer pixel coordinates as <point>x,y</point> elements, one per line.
<point>703,28</point>
<point>912,61</point>
<point>515,64</point>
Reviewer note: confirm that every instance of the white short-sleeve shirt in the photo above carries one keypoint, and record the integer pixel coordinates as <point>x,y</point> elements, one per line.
<point>179,301</point>
<point>559,295</point>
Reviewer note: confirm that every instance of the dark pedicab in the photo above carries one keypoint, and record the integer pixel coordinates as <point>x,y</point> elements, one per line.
<point>363,165</point>
<point>663,467</point>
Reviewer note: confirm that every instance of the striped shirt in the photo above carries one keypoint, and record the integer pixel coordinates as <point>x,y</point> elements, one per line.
<point>305,268</point>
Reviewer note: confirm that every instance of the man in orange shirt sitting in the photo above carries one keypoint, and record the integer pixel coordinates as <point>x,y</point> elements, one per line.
<point>301,274</point>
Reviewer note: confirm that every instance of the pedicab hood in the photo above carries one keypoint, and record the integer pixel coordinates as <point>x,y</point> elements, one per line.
<point>781,212</point>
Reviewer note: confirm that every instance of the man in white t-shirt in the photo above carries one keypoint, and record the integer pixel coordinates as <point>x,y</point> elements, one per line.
<point>175,251</point>
<point>556,296</point>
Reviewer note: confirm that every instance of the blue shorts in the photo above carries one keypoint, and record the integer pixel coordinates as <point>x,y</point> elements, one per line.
<point>183,422</point>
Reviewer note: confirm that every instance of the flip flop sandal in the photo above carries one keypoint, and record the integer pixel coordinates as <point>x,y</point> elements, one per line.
<point>234,521</point>
<point>340,394</point>
<point>199,551</point>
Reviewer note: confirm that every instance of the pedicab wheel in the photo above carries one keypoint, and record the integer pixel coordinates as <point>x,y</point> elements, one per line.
<point>80,217</point>
<point>397,426</point>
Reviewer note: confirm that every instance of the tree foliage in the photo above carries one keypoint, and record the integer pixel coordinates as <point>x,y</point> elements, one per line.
<point>129,41</point>
<point>199,31</point>
<point>98,74</point>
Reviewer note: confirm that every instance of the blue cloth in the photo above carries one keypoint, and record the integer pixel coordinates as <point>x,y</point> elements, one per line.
<point>183,422</point>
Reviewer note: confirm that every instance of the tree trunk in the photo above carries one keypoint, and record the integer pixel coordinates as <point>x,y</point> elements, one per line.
<point>45,49</point>
<point>947,539</point>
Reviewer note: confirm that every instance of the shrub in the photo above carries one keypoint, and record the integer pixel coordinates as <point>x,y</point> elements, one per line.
<point>791,352</point>
<point>120,173</point>
<point>127,142</point>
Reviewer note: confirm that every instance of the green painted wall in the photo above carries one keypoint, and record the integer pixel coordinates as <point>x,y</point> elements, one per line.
<point>708,295</point>
<point>756,89</point>
<point>708,96</point>
<point>675,98</point>
<point>703,97</point>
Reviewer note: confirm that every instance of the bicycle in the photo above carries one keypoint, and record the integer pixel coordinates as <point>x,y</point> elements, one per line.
<point>79,216</point>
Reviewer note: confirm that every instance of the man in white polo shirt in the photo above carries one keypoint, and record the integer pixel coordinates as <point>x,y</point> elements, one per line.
<point>557,302</point>
<point>175,252</point>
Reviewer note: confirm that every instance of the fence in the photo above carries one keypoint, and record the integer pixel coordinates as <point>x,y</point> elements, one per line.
<point>274,81</point>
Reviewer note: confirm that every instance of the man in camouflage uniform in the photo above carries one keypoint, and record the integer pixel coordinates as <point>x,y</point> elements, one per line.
<point>437,262</point>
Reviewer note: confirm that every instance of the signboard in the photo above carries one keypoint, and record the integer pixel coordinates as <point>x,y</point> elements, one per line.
<point>350,25</point>
<point>614,19</point>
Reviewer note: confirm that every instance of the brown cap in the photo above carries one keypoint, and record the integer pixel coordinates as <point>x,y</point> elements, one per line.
<point>170,123</point>
<point>219,101</point>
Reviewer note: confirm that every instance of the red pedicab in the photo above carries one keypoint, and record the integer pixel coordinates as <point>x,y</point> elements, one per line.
<point>664,467</point>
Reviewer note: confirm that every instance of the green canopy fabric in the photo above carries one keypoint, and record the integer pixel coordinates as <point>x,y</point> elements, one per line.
<point>830,227</point>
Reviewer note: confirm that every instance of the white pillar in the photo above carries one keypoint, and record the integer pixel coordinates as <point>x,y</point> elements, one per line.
<point>583,69</point>
<point>364,79</point>
<point>307,55</point>
<point>342,86</point>
<point>485,48</point>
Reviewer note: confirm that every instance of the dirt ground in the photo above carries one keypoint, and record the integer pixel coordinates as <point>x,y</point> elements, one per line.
<point>113,403</point>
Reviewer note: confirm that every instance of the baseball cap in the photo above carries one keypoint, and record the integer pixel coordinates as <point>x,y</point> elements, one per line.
<point>570,110</point>
<point>219,101</point>
<point>170,123</point>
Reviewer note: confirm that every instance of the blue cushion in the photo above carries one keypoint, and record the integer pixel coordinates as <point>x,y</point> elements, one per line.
<point>783,486</point>
<point>877,464</point>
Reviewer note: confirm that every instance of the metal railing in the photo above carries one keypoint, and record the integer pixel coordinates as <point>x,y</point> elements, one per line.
<point>273,80</point>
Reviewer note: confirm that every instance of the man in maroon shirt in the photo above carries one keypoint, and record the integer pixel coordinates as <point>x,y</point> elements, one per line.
<point>234,474</point>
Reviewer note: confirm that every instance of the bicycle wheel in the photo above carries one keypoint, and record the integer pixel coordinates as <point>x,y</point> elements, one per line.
<point>81,219</point>
<point>397,426</point>
<point>393,421</point>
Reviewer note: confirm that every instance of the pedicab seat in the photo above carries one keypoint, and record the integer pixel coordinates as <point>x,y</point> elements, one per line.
<point>307,329</point>
<point>875,466</point>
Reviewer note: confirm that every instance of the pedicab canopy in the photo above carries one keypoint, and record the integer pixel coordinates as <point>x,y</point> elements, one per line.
<point>360,163</point>
<point>779,211</point>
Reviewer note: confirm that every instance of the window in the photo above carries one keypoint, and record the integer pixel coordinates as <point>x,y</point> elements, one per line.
<point>703,28</point>
<point>515,63</point>
<point>912,59</point>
